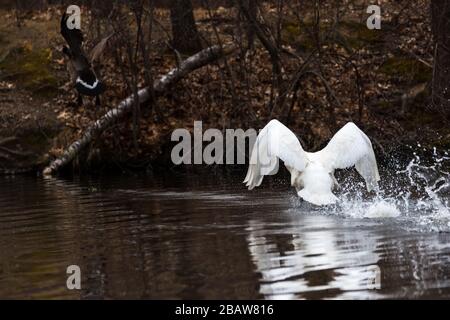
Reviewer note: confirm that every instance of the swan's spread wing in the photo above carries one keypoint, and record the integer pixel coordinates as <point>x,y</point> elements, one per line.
<point>275,141</point>
<point>350,146</point>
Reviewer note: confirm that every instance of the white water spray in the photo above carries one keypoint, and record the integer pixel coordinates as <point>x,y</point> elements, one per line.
<point>418,196</point>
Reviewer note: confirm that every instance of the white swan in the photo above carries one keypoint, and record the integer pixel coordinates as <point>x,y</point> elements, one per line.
<point>312,174</point>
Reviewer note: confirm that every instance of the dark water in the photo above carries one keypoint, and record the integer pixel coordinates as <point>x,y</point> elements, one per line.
<point>203,236</point>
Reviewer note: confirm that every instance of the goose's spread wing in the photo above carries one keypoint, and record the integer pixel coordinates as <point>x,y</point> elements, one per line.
<point>351,147</point>
<point>275,141</point>
<point>97,51</point>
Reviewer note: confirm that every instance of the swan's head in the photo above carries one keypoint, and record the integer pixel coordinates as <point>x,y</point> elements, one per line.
<point>317,183</point>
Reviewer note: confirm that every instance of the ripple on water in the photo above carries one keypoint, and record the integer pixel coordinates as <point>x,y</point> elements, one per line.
<point>197,237</point>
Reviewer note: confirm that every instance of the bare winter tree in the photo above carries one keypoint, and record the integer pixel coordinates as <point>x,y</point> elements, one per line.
<point>185,36</point>
<point>251,7</point>
<point>440,20</point>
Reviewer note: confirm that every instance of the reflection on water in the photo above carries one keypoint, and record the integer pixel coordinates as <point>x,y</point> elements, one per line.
<point>204,236</point>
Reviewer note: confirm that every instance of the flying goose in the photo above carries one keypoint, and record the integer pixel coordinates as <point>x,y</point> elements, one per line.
<point>312,174</point>
<point>86,81</point>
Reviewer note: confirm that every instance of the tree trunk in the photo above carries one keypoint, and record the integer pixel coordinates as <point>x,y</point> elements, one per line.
<point>440,24</point>
<point>185,36</point>
<point>250,6</point>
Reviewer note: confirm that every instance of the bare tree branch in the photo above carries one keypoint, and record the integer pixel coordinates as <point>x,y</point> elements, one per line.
<point>194,62</point>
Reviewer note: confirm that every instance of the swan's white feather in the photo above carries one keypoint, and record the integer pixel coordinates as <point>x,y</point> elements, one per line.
<point>351,147</point>
<point>275,141</point>
<point>312,173</point>
<point>317,184</point>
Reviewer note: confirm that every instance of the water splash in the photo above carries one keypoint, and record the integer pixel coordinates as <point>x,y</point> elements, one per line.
<point>427,198</point>
<point>416,195</point>
<point>382,209</point>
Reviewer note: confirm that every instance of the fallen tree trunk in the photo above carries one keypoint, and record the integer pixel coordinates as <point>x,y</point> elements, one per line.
<point>194,62</point>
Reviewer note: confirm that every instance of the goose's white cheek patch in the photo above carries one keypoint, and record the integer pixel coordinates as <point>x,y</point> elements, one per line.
<point>382,209</point>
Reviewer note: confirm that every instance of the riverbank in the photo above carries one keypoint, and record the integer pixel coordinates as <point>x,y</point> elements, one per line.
<point>39,116</point>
